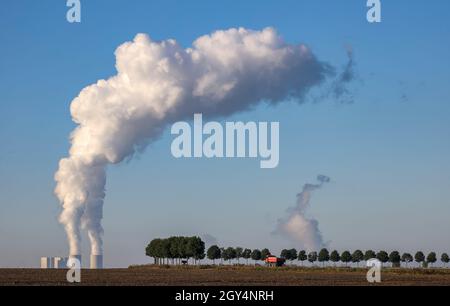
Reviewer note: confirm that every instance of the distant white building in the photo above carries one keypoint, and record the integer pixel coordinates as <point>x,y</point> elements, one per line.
<point>46,262</point>
<point>54,262</point>
<point>60,262</point>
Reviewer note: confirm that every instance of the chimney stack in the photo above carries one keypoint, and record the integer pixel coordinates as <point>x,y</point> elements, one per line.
<point>96,261</point>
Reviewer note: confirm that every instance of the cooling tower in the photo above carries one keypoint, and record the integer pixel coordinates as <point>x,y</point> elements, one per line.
<point>96,261</point>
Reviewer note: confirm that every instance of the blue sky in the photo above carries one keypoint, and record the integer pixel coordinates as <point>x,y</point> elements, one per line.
<point>387,153</point>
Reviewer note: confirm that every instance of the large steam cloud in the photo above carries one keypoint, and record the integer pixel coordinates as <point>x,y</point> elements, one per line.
<point>159,83</point>
<point>299,228</point>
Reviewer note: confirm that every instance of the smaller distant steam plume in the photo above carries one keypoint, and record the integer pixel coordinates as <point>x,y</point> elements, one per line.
<point>299,228</point>
<point>210,240</point>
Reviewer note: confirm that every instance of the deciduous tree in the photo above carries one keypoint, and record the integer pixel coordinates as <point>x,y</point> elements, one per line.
<point>302,256</point>
<point>394,258</point>
<point>369,255</point>
<point>312,257</point>
<point>419,257</point>
<point>239,251</point>
<point>256,255</point>
<point>346,257</point>
<point>265,253</point>
<point>292,254</point>
<point>445,259</point>
<point>247,254</point>
<point>383,257</point>
<point>431,258</point>
<point>324,256</point>
<point>284,254</point>
<point>213,253</point>
<point>335,257</point>
<point>357,257</point>
<point>407,258</point>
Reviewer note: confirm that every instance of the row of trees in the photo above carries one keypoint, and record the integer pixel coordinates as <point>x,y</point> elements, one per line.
<point>357,256</point>
<point>228,254</point>
<point>324,256</point>
<point>175,249</point>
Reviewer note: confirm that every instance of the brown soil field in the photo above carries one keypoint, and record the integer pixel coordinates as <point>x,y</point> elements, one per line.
<point>225,276</point>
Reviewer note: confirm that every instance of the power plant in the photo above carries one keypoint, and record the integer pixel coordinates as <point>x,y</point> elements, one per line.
<point>59,262</point>
<point>64,262</point>
<point>233,86</point>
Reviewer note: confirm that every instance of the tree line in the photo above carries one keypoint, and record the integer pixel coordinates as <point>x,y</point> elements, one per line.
<point>175,249</point>
<point>324,256</point>
<point>229,254</point>
<point>346,257</point>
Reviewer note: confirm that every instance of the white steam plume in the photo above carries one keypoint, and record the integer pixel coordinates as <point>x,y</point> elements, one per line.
<point>299,228</point>
<point>159,83</point>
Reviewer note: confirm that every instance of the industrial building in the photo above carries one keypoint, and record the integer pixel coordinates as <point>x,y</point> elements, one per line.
<point>62,262</point>
<point>54,262</point>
